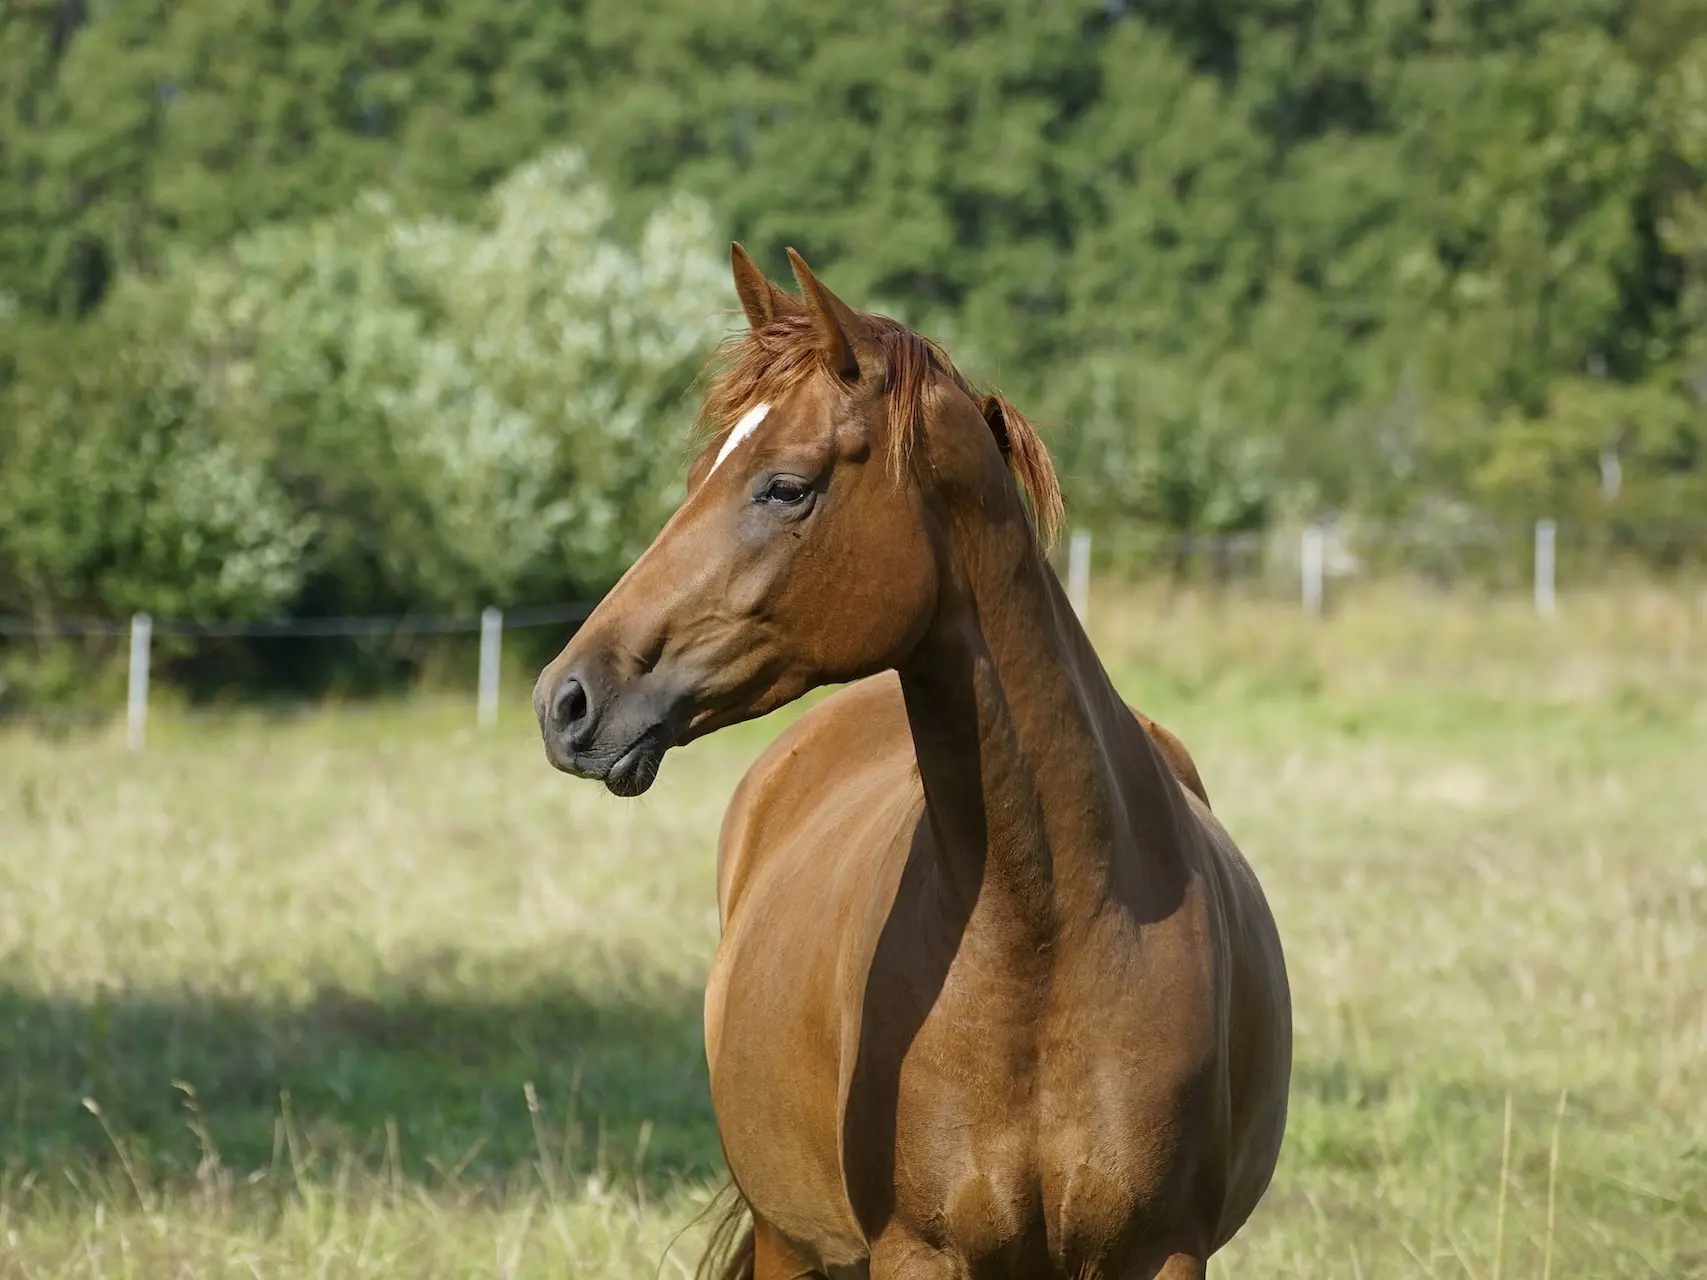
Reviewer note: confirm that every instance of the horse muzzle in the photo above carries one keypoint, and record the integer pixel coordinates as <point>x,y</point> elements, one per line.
<point>596,728</point>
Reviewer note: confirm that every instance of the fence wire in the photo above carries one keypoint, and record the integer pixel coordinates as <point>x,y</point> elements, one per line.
<point>142,630</point>
<point>1301,563</point>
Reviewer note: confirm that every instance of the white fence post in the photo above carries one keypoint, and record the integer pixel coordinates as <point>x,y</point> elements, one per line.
<point>1546,543</point>
<point>1079,573</point>
<point>1310,568</point>
<point>136,703</point>
<point>491,637</point>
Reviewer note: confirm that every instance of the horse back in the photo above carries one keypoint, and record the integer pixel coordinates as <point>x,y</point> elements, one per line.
<point>1174,755</point>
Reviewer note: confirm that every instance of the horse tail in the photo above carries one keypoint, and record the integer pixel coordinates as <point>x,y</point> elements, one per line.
<point>729,1252</point>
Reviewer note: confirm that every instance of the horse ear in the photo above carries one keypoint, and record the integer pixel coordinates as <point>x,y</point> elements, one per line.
<point>842,332</point>
<point>994,409</point>
<point>760,299</point>
<point>1022,449</point>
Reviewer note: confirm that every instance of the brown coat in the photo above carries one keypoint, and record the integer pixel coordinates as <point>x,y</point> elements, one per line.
<point>996,994</point>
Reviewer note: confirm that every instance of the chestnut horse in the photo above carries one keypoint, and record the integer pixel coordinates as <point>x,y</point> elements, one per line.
<point>996,995</point>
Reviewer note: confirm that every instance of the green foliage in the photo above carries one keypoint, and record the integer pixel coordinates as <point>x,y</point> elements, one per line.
<point>1543,464</point>
<point>1683,222</point>
<point>121,489</point>
<point>480,411</point>
<point>132,126</point>
<point>1262,258</point>
<point>376,409</point>
<point>1253,261</point>
<point>1160,448</point>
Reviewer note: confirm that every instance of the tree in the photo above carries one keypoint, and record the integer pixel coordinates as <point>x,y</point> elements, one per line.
<point>152,125</point>
<point>1337,250</point>
<point>370,412</point>
<point>122,489</point>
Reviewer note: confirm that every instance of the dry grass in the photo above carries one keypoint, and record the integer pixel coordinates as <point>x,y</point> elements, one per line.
<point>372,995</point>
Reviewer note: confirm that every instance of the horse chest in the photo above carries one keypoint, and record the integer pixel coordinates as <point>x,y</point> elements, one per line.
<point>1065,1177</point>
<point>1019,1140</point>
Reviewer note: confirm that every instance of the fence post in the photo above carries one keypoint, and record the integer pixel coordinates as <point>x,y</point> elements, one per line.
<point>1310,567</point>
<point>136,703</point>
<point>1546,541</point>
<point>491,638</point>
<point>1079,573</point>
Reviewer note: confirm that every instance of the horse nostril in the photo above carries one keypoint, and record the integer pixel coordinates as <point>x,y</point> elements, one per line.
<point>571,709</point>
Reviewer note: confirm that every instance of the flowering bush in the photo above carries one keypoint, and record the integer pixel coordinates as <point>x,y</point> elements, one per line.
<point>376,410</point>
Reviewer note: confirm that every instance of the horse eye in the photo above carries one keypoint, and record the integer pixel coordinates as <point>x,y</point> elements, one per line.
<point>786,491</point>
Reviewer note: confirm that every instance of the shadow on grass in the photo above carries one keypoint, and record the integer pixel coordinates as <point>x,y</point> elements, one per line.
<point>435,1082</point>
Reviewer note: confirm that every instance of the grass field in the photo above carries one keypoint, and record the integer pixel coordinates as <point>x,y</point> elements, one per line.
<point>370,994</point>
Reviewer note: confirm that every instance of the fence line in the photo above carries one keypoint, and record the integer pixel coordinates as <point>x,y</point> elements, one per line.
<point>1312,567</point>
<point>409,706</point>
<point>491,648</point>
<point>1079,572</point>
<point>1318,554</point>
<point>1546,538</point>
<point>1315,567</point>
<point>136,703</point>
<point>141,628</point>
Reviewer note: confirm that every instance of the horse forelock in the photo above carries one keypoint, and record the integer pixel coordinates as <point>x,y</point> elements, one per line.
<point>759,366</point>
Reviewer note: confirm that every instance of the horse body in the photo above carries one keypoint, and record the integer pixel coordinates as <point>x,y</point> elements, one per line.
<point>996,995</point>
<point>895,1074</point>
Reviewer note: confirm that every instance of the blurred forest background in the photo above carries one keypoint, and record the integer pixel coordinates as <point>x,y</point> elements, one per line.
<point>356,306</point>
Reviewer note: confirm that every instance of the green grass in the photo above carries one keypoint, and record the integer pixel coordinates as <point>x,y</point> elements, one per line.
<point>370,994</point>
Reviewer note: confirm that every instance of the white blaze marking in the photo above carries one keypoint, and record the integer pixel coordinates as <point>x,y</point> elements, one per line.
<point>740,431</point>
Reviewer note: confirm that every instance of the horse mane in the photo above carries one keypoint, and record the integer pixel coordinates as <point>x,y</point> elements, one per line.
<point>763,364</point>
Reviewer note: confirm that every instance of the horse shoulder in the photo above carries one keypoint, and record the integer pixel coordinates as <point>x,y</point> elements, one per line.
<point>1177,758</point>
<point>822,749</point>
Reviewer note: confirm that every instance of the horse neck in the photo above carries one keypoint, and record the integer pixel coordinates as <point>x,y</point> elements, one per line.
<point>1020,738</point>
